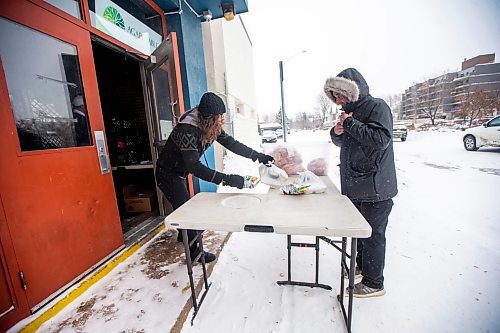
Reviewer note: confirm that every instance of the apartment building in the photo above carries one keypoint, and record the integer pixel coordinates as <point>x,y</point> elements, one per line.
<point>444,94</point>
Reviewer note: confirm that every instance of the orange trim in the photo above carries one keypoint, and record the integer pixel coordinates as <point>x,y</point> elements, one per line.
<point>155,7</point>
<point>84,5</point>
<point>62,14</point>
<point>19,297</point>
<point>164,26</point>
<point>190,185</point>
<point>177,64</point>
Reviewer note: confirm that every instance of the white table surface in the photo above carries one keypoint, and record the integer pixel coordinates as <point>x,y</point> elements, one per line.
<point>325,214</point>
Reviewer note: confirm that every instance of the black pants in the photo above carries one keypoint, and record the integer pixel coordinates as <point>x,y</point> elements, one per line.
<point>175,190</point>
<point>371,251</point>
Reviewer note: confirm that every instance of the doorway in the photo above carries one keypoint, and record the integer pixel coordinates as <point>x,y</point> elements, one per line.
<point>128,139</point>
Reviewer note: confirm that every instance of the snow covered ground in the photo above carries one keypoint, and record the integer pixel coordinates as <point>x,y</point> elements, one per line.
<point>443,258</point>
<point>442,264</point>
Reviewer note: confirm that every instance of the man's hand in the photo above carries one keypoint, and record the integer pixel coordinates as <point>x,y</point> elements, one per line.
<point>338,129</point>
<point>343,117</point>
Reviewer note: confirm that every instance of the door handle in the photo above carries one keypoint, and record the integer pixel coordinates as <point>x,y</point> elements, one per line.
<point>102,154</point>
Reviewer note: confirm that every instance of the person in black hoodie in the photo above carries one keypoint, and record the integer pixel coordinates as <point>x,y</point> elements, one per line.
<point>367,170</point>
<point>197,129</point>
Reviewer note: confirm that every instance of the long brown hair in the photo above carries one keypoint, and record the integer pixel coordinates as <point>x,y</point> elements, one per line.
<point>210,129</point>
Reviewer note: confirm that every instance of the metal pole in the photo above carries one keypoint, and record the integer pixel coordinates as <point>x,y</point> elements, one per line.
<point>283,116</point>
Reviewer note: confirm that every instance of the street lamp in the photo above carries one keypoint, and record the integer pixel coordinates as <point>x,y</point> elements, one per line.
<point>283,115</point>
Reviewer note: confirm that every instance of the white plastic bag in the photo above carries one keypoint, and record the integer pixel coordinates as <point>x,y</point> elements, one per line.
<point>272,176</point>
<point>316,184</point>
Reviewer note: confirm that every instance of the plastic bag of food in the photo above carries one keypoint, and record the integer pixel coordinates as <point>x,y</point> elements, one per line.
<point>309,178</point>
<point>272,176</point>
<point>318,166</point>
<point>307,183</point>
<point>288,159</point>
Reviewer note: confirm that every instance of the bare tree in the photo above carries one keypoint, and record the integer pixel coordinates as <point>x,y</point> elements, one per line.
<point>478,104</point>
<point>323,108</point>
<point>394,101</point>
<point>431,99</point>
<point>302,121</point>
<point>277,117</point>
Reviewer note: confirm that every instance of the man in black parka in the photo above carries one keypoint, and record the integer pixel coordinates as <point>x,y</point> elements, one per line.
<point>197,129</point>
<point>367,171</point>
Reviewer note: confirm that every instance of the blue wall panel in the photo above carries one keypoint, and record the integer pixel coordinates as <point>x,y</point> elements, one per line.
<point>192,63</point>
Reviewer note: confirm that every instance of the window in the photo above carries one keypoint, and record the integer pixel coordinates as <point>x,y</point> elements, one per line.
<point>494,122</point>
<point>71,7</point>
<point>45,89</point>
<point>162,100</point>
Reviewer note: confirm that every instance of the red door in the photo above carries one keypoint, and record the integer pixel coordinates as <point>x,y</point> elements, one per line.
<point>60,211</point>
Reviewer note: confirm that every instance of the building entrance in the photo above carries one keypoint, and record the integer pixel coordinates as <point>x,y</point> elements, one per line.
<point>128,139</point>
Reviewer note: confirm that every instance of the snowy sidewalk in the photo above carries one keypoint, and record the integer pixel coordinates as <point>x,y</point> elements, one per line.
<point>148,292</point>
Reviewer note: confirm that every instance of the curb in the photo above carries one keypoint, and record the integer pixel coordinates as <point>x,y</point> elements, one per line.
<point>88,282</point>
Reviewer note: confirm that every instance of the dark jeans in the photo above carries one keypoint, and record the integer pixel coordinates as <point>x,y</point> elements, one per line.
<point>175,190</point>
<point>371,251</point>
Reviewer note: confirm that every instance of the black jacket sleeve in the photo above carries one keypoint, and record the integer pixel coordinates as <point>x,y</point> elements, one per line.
<point>236,147</point>
<point>188,142</point>
<point>376,132</point>
<point>336,139</point>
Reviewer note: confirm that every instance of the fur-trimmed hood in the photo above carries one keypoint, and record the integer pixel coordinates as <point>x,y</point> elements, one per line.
<point>350,84</point>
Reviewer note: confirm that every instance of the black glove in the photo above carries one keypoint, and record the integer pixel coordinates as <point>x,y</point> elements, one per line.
<point>233,180</point>
<point>265,159</point>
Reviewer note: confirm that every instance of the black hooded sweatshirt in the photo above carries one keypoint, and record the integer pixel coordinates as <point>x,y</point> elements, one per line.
<point>367,169</point>
<point>182,151</point>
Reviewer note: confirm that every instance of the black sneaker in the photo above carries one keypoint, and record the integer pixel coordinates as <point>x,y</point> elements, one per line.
<point>209,257</point>
<point>363,291</point>
<point>357,274</point>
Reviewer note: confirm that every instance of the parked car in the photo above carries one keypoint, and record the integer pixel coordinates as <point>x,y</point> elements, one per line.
<point>399,131</point>
<point>486,135</point>
<point>269,136</point>
<point>279,133</point>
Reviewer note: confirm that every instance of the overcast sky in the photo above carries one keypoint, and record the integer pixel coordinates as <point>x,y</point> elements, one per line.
<point>393,43</point>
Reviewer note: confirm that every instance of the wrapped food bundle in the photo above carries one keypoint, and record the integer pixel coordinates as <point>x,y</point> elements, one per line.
<point>294,189</point>
<point>250,181</point>
<point>288,159</point>
<point>318,166</point>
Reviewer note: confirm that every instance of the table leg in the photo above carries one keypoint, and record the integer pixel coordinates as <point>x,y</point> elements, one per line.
<point>342,268</point>
<point>289,249</point>
<point>200,244</point>
<point>289,281</point>
<point>189,265</point>
<point>352,270</point>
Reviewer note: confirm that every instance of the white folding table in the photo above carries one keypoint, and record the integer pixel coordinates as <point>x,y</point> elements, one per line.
<point>324,215</point>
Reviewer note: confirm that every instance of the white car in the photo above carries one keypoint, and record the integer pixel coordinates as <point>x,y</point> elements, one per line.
<point>399,131</point>
<point>279,132</point>
<point>269,136</point>
<point>486,135</point>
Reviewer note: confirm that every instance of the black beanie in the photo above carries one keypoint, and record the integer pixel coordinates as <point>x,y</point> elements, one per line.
<point>211,104</point>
